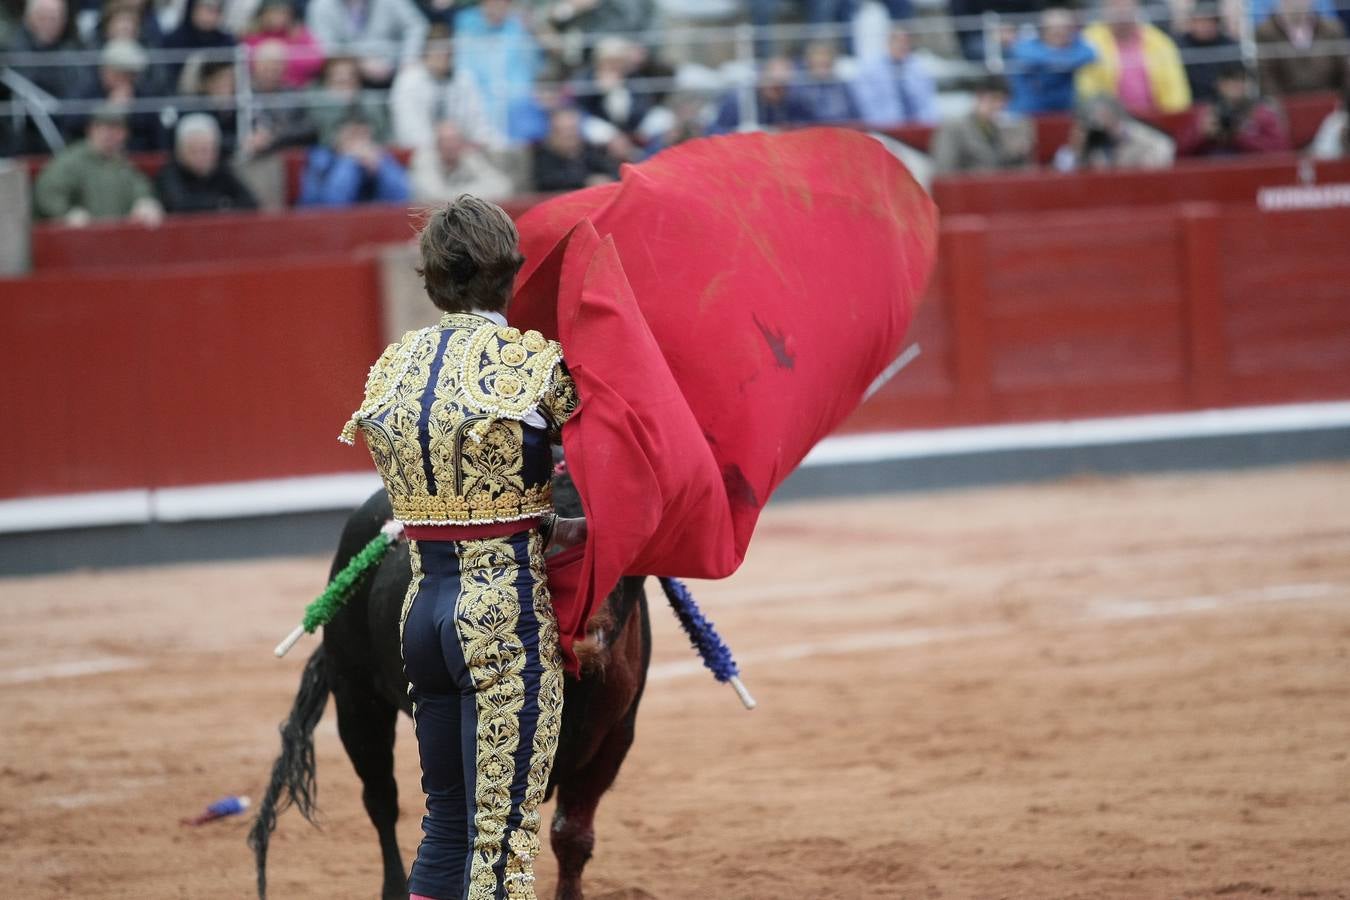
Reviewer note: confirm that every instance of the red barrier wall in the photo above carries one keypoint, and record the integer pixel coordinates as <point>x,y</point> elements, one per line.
<point>221,373</point>
<point>121,372</point>
<point>1073,314</point>
<point>210,238</point>
<point>1232,181</point>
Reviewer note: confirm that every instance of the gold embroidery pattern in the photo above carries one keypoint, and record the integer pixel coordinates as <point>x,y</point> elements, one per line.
<point>508,506</point>
<point>475,437</point>
<point>415,560</point>
<point>486,620</point>
<point>560,401</point>
<point>383,376</point>
<point>503,375</point>
<point>524,841</point>
<point>446,417</point>
<point>493,469</point>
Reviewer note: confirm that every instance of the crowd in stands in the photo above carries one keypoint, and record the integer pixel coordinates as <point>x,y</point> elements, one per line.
<point>420,100</point>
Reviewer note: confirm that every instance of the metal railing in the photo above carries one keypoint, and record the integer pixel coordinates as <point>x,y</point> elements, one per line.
<point>737,75</point>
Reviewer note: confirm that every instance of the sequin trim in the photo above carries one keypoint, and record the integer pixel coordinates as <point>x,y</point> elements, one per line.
<point>486,621</point>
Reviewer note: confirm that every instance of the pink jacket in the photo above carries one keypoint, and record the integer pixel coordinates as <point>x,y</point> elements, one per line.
<point>305,60</point>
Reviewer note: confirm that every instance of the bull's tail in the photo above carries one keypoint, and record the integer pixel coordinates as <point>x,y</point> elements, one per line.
<point>293,774</point>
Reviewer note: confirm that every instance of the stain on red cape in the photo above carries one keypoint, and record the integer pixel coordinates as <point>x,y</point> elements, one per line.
<point>722,308</point>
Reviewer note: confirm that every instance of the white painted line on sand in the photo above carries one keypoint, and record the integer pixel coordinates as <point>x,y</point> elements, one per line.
<point>123,789</point>
<point>1096,610</point>
<point>314,493</point>
<point>864,448</point>
<point>75,668</point>
<point>860,642</point>
<point>1131,608</point>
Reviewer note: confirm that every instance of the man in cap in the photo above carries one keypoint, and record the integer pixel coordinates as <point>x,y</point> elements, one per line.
<point>93,179</point>
<point>120,67</point>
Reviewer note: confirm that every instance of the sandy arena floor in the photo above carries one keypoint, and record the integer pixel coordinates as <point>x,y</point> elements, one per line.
<point>1092,689</point>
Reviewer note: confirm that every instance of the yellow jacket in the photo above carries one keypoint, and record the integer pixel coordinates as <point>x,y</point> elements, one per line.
<point>1162,61</point>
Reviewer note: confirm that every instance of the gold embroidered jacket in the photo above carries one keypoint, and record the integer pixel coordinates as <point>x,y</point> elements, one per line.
<point>451,417</point>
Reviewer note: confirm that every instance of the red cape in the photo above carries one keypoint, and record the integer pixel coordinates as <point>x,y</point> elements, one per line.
<point>722,308</point>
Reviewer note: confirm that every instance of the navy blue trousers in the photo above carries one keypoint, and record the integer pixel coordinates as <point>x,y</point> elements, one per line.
<point>480,649</point>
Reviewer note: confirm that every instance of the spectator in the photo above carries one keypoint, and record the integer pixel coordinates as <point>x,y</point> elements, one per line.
<point>896,89</point>
<point>1261,10</point>
<point>354,169</point>
<point>121,66</point>
<point>820,90</point>
<point>451,166</point>
<point>687,119</point>
<point>986,138</point>
<point>46,29</point>
<point>1104,136</point>
<point>338,94</point>
<point>195,180</point>
<point>699,31</point>
<point>594,17</point>
<point>1301,51</point>
<point>1209,48</point>
<point>1136,63</point>
<point>1237,122</point>
<point>1043,67</point>
<point>833,15</point>
<point>93,179</point>
<point>774,103</point>
<point>1333,136</point>
<point>304,57</point>
<point>200,30</point>
<point>383,34</point>
<point>563,161</point>
<point>971,35</point>
<point>607,95</point>
<point>129,20</point>
<point>435,90</point>
<point>278,121</point>
<point>168,14</point>
<point>214,82</point>
<point>494,46</point>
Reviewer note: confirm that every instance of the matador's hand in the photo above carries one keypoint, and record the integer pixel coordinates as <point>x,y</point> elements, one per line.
<point>566,533</point>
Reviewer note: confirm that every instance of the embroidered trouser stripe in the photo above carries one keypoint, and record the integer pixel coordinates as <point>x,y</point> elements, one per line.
<point>481,652</point>
<point>540,724</point>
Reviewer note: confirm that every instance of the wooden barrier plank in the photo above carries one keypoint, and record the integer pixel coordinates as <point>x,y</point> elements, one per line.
<point>219,373</point>
<point>1286,304</point>
<point>229,370</point>
<point>963,243</point>
<point>1206,350</point>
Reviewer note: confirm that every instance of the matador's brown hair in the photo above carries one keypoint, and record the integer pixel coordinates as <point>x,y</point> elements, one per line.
<point>470,255</point>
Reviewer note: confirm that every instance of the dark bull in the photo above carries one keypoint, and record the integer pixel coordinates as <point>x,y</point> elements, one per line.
<point>360,664</point>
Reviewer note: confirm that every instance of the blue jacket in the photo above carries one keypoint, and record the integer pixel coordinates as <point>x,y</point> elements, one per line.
<point>828,101</point>
<point>793,110</point>
<point>1041,76</point>
<point>895,93</point>
<point>334,180</point>
<point>504,61</point>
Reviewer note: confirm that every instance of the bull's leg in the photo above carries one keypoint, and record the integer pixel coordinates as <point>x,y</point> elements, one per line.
<point>573,830</point>
<point>366,725</point>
